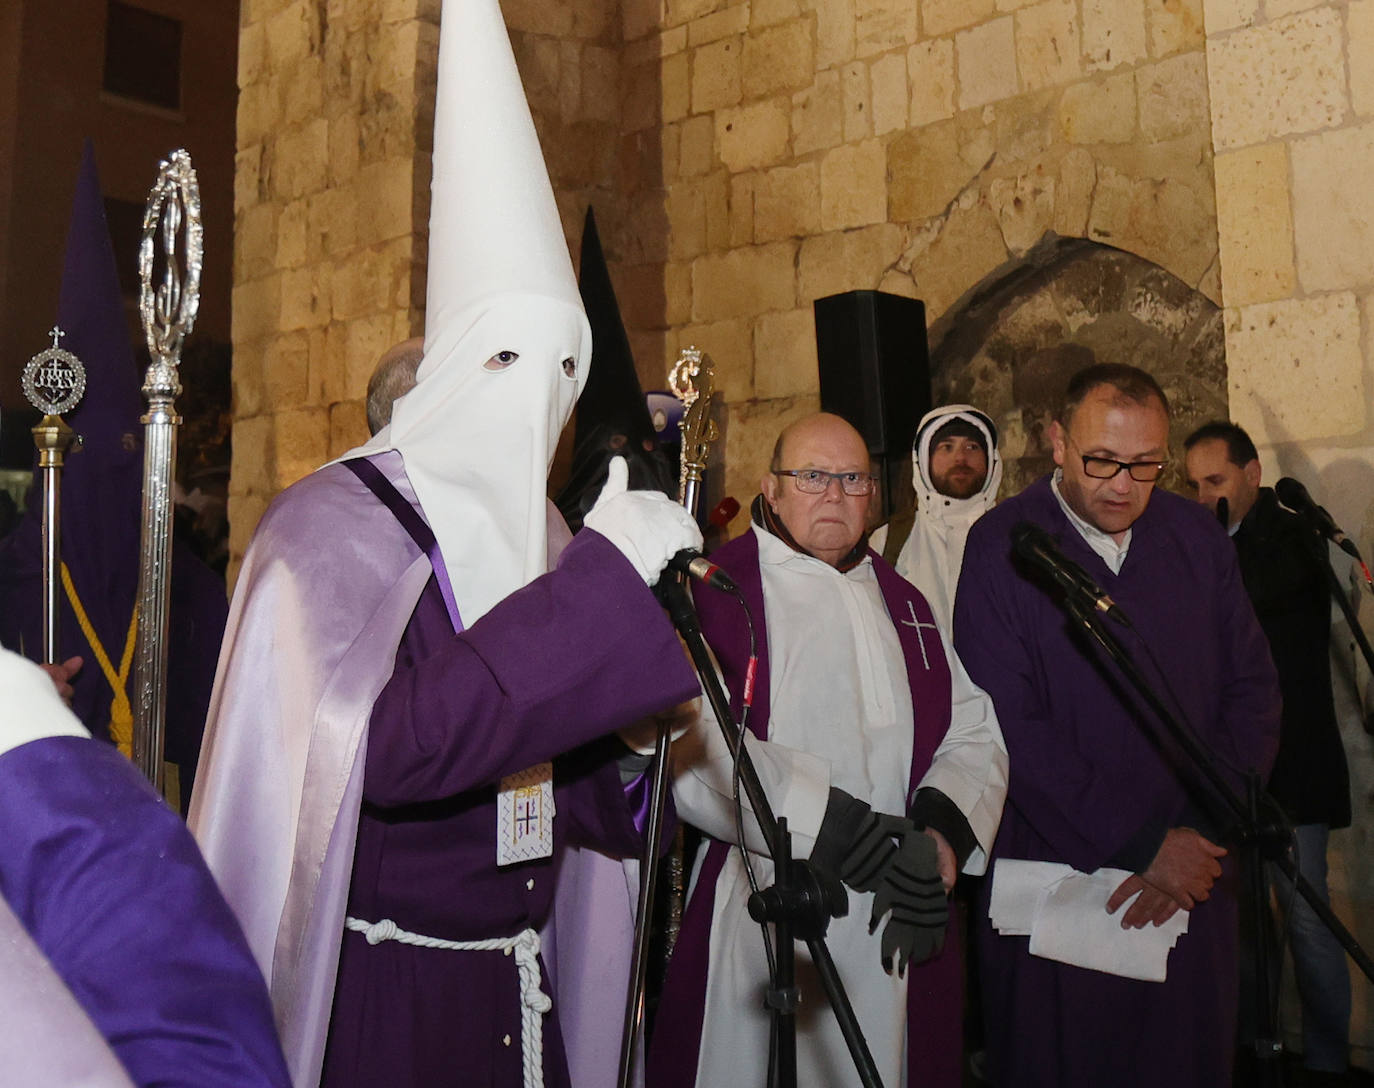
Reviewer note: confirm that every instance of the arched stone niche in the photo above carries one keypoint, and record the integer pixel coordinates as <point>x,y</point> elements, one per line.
<point>1011,343</point>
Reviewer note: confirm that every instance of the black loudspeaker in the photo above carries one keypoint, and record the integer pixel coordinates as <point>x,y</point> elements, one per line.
<point>874,366</point>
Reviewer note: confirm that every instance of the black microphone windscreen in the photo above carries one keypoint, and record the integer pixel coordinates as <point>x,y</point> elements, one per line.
<point>1224,512</point>
<point>1292,494</point>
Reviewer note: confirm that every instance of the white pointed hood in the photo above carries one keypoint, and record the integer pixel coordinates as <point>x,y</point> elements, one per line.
<point>933,552</point>
<point>507,343</point>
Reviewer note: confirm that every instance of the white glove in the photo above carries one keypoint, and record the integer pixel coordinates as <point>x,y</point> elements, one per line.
<point>647,526</point>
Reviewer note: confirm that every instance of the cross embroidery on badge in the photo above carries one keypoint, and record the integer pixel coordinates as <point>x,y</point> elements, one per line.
<point>916,623</point>
<point>526,806</point>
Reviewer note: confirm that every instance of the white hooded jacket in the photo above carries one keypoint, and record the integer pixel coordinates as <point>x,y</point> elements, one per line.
<point>934,551</point>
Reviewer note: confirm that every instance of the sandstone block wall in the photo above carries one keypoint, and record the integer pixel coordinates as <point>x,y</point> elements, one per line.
<point>815,146</point>
<point>1293,128</point>
<point>330,212</point>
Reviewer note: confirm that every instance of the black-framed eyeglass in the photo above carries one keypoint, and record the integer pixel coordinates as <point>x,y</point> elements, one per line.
<point>816,481</point>
<point>1105,468</point>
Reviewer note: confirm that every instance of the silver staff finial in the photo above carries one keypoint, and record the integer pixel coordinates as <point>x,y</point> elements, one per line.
<point>169,313</point>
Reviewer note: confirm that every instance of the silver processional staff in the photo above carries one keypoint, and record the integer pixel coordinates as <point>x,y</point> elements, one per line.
<point>54,381</point>
<point>169,313</point>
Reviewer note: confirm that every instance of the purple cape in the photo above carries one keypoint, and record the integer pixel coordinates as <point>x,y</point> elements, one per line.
<point>108,884</point>
<point>935,988</point>
<point>328,587</point>
<point>1089,786</point>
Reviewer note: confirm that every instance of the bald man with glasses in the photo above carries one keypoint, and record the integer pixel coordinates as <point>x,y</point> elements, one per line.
<point>1095,787</point>
<point>885,759</point>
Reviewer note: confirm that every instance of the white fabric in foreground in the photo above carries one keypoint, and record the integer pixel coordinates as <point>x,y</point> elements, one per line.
<point>33,709</point>
<point>46,1038</point>
<point>1064,912</point>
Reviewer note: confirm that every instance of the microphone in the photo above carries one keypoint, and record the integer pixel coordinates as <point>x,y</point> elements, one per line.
<point>1038,548</point>
<point>724,511</point>
<point>1224,512</point>
<point>1294,496</point>
<point>695,565</point>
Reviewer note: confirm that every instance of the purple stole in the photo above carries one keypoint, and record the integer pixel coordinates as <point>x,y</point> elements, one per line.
<point>935,988</point>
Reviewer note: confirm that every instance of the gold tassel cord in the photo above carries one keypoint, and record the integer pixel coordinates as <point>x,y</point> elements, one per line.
<point>121,711</point>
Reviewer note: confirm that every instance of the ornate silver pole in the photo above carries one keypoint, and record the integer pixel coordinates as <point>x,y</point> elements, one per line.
<point>169,313</point>
<point>54,381</point>
<point>692,379</point>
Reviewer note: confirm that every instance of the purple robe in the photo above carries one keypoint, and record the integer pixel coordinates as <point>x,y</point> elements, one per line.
<point>332,626</point>
<point>1089,786</point>
<point>109,886</point>
<point>934,988</point>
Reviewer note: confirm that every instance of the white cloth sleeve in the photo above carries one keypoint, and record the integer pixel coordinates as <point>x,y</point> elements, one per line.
<point>33,709</point>
<point>970,766</point>
<point>797,785</point>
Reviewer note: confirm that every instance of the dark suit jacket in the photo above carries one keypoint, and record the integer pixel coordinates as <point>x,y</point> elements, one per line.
<point>1282,562</point>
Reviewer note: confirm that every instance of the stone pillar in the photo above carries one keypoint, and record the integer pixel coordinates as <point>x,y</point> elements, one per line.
<point>1292,93</point>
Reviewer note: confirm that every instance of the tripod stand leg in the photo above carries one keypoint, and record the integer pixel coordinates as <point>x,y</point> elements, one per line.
<point>1268,1050</point>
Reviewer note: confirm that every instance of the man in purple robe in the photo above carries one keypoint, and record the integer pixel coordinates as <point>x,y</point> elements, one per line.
<point>102,888</point>
<point>864,717</point>
<point>410,720</point>
<point>1095,784</point>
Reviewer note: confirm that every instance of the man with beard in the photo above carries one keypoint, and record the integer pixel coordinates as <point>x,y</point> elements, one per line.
<point>955,472</point>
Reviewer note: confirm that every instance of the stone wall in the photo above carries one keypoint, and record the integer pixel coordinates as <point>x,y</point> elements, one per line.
<point>330,212</point>
<point>1292,92</point>
<point>806,147</point>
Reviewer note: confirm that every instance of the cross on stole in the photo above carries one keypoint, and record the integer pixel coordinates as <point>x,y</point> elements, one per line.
<point>916,623</point>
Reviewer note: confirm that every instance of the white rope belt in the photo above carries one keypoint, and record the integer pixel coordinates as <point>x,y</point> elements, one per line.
<point>534,1003</point>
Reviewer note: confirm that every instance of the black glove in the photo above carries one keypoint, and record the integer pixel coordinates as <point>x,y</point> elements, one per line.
<point>911,888</point>
<point>855,843</point>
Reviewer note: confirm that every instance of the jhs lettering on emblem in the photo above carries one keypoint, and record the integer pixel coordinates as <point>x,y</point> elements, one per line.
<point>524,815</point>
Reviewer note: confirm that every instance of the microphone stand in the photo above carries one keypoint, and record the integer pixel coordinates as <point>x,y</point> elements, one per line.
<point>796,904</point>
<point>1356,631</point>
<point>1261,842</point>
<point>693,381</point>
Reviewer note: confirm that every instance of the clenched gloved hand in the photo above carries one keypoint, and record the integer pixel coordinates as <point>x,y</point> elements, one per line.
<point>912,890</point>
<point>855,843</point>
<point>646,526</point>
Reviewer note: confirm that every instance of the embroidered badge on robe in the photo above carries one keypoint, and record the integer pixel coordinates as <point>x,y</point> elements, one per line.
<point>524,815</point>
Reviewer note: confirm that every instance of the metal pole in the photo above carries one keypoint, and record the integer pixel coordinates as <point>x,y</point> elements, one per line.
<point>169,313</point>
<point>54,381</point>
<point>692,380</point>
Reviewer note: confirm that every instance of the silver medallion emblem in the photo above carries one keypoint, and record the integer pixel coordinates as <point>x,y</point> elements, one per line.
<point>54,379</point>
